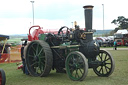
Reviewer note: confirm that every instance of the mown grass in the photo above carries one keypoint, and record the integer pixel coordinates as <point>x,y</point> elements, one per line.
<point>117,47</point>
<point>119,76</point>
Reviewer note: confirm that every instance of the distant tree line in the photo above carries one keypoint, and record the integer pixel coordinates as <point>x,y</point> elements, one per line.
<point>121,22</point>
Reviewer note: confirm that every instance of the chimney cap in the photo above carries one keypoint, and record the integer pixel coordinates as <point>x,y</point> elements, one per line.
<point>88,7</point>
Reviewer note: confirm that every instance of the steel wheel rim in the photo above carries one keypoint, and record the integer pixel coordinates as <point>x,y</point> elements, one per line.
<point>75,66</point>
<point>36,58</point>
<point>107,64</point>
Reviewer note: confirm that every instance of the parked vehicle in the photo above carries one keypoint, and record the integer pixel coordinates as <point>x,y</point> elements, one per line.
<point>121,36</point>
<point>105,41</point>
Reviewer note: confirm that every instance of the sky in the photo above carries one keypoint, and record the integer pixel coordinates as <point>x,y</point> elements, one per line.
<point>16,16</point>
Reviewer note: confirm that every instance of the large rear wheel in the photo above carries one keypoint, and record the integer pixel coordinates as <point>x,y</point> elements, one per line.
<point>76,66</point>
<point>38,58</point>
<point>107,65</point>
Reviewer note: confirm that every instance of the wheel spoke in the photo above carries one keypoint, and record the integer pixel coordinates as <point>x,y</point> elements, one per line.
<point>107,63</point>
<point>107,59</point>
<point>37,70</point>
<point>37,48</point>
<point>81,65</point>
<point>33,51</point>
<point>40,52</point>
<point>71,70</point>
<point>33,48</point>
<point>42,66</point>
<point>101,56</point>
<point>73,59</point>
<point>77,75</point>
<point>107,67</point>
<point>33,64</point>
<point>30,56</point>
<point>77,60</point>
<point>80,71</point>
<point>71,65</point>
<point>33,60</point>
<point>102,70</point>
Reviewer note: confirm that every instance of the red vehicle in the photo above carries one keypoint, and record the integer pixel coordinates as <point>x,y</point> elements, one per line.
<point>121,37</point>
<point>3,57</point>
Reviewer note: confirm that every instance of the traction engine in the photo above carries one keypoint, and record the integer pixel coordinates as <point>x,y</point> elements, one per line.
<point>68,51</point>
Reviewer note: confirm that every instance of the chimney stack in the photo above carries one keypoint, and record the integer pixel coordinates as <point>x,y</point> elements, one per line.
<point>88,21</point>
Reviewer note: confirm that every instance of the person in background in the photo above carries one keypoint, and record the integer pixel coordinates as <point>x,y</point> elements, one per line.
<point>25,70</point>
<point>115,45</point>
<point>8,52</point>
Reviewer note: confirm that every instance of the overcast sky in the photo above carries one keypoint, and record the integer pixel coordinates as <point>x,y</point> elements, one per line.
<point>16,15</point>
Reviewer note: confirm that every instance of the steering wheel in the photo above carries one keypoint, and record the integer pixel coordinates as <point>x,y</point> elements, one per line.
<point>60,30</point>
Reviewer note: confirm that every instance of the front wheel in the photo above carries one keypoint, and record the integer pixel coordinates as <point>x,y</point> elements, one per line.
<point>76,66</point>
<point>107,65</point>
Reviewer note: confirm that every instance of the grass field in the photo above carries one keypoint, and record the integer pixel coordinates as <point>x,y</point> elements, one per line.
<point>119,76</point>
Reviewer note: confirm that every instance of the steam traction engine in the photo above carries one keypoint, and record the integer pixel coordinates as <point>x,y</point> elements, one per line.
<point>70,51</point>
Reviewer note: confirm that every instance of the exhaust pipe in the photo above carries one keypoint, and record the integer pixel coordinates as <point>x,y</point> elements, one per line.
<point>88,21</point>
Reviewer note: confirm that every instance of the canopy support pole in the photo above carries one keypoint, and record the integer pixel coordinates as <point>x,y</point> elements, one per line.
<point>4,45</point>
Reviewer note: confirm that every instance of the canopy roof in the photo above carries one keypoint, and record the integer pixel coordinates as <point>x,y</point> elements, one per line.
<point>3,37</point>
<point>122,31</point>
